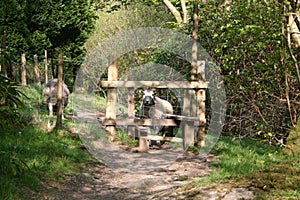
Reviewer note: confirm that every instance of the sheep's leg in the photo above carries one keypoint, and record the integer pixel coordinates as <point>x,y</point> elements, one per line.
<point>50,106</point>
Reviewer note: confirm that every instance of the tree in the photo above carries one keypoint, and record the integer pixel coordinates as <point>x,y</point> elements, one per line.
<point>57,26</point>
<point>246,41</point>
<point>59,113</point>
<point>293,44</point>
<point>13,33</point>
<point>60,26</point>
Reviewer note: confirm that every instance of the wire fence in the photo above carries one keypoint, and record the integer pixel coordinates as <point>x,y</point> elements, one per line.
<point>267,118</point>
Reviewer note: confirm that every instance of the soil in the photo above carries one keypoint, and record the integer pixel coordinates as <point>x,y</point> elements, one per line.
<point>101,182</point>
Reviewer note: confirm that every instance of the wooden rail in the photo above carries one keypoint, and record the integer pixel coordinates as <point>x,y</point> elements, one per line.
<point>148,122</point>
<point>162,138</point>
<point>155,84</point>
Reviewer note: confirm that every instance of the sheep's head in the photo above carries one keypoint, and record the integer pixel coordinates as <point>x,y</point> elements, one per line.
<point>46,93</point>
<point>148,97</point>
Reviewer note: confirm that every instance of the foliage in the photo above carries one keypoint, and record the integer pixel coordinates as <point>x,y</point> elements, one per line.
<point>63,26</point>
<point>245,40</point>
<point>30,156</point>
<point>56,26</point>
<point>126,18</point>
<point>12,24</point>
<point>115,5</point>
<point>10,101</point>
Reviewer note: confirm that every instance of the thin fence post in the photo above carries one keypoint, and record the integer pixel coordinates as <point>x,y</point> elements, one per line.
<point>36,69</point>
<point>46,66</point>
<point>131,129</point>
<point>23,69</point>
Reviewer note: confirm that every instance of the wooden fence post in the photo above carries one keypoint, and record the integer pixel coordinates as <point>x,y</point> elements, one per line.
<point>201,98</point>
<point>111,102</point>
<point>59,92</point>
<point>23,69</point>
<point>131,129</point>
<point>46,66</point>
<point>36,69</point>
<point>187,128</point>
<point>198,72</point>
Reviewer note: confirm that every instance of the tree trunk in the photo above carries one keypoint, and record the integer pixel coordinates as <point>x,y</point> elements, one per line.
<point>293,141</point>
<point>36,69</point>
<point>293,33</point>
<point>195,45</point>
<point>10,70</point>
<point>59,92</point>
<point>23,69</point>
<point>3,59</point>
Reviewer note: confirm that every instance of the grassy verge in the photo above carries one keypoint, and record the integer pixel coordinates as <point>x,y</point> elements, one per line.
<point>30,156</point>
<point>256,165</point>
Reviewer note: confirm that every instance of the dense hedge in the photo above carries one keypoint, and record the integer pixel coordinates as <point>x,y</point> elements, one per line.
<point>247,43</point>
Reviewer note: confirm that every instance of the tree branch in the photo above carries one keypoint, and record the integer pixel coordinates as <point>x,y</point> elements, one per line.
<point>293,29</point>
<point>174,11</point>
<point>288,98</point>
<point>184,11</point>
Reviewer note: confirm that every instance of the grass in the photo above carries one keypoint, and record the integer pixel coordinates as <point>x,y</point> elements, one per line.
<point>30,156</point>
<point>122,138</point>
<point>254,164</point>
<point>237,157</point>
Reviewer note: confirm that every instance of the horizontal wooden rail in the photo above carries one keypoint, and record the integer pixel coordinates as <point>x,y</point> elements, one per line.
<point>162,138</point>
<point>146,122</point>
<point>180,117</point>
<point>155,84</point>
<point>139,122</point>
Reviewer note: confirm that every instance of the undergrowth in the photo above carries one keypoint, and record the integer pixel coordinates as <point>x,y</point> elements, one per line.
<point>31,156</point>
<point>122,138</point>
<point>254,164</point>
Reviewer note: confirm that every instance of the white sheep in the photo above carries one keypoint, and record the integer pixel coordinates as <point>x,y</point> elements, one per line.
<point>154,107</point>
<point>50,95</point>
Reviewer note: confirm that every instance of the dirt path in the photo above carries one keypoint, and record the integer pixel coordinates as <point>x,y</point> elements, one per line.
<point>101,182</point>
<point>152,175</point>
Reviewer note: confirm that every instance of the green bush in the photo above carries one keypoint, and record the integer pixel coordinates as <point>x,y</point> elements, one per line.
<point>10,100</point>
<point>245,40</point>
